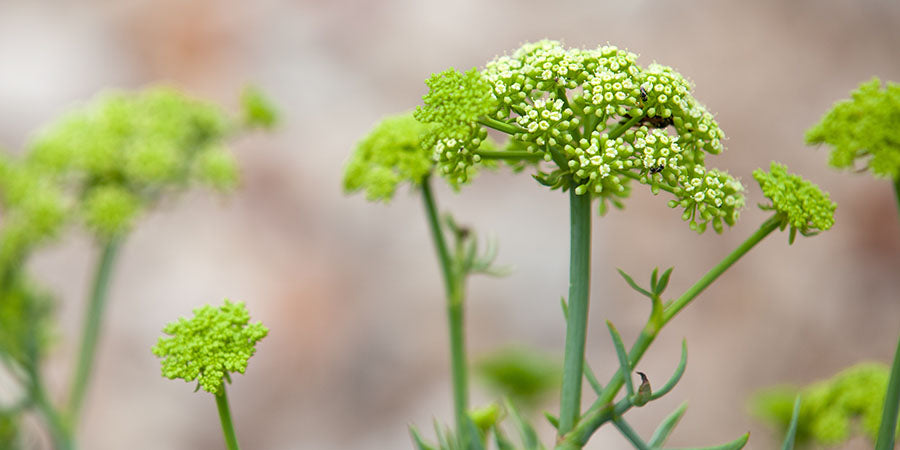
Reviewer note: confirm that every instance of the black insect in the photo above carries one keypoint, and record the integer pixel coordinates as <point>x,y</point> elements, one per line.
<point>643,94</point>
<point>657,169</point>
<point>657,121</point>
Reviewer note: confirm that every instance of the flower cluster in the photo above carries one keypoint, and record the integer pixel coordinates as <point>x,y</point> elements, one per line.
<point>455,102</point>
<point>831,408</point>
<point>392,153</point>
<point>33,210</point>
<point>865,127</point>
<point>123,150</point>
<point>599,116</point>
<point>209,345</point>
<point>798,203</point>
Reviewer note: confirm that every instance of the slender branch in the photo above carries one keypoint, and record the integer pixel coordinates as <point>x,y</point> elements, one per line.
<point>635,176</point>
<point>576,321</point>
<point>500,125</point>
<point>455,311</point>
<point>622,128</point>
<point>225,417</point>
<point>91,329</point>
<point>60,433</point>
<point>596,415</point>
<point>897,192</point>
<point>515,155</point>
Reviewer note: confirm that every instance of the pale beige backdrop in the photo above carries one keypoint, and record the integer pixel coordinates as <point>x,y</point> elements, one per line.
<point>351,290</point>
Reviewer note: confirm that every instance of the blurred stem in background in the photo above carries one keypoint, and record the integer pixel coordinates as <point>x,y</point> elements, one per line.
<point>455,311</point>
<point>91,329</point>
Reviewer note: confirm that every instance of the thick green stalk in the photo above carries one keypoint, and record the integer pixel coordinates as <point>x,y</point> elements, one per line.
<point>509,155</point>
<point>91,329</point>
<point>577,318</point>
<point>225,418</point>
<point>597,414</point>
<point>455,311</point>
<point>891,404</point>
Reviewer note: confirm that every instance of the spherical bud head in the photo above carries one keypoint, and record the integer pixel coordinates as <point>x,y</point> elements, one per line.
<point>32,208</point>
<point>455,99</point>
<point>216,167</point>
<point>110,211</point>
<point>391,154</point>
<point>864,129</point>
<point>258,110</point>
<point>216,341</point>
<point>797,202</point>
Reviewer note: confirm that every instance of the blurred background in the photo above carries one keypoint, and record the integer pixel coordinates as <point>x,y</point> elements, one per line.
<point>351,290</point>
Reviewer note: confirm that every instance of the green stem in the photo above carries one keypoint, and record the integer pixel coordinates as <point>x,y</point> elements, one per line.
<point>455,311</point>
<point>225,418</point>
<point>91,329</point>
<point>514,155</point>
<point>597,414</point>
<point>577,318</point>
<point>499,125</point>
<point>59,431</point>
<point>897,193</point>
<point>889,412</point>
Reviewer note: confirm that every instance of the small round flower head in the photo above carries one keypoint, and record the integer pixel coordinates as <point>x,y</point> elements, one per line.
<point>209,345</point>
<point>110,210</point>
<point>454,104</point>
<point>257,109</point>
<point>798,203</point>
<point>865,127</point>
<point>390,154</point>
<point>32,209</point>
<point>142,144</point>
<point>831,410</point>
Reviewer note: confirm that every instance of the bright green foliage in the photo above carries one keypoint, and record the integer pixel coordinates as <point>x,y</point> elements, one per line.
<point>9,431</point>
<point>389,155</point>
<point>32,208</point>
<point>25,313</point>
<point>798,203</point>
<point>136,145</point>
<point>600,117</point>
<point>832,410</point>
<point>258,110</point>
<point>522,374</point>
<point>215,341</point>
<point>865,127</point>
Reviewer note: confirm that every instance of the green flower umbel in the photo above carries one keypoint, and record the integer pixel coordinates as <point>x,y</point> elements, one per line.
<point>798,203</point>
<point>389,155</point>
<point>602,119</point>
<point>208,346</point>
<point>864,128</point>
<point>124,150</point>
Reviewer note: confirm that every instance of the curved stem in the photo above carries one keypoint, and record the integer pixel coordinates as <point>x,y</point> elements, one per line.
<point>59,432</point>
<point>897,193</point>
<point>597,414</point>
<point>577,318</point>
<point>455,311</point>
<point>225,418</point>
<point>515,155</point>
<point>91,329</point>
<point>499,125</point>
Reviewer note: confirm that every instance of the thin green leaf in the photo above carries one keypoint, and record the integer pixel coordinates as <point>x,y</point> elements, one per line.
<point>792,429</point>
<point>623,357</point>
<point>501,440</point>
<point>526,431</point>
<point>653,278</point>
<point>442,437</point>
<point>473,435</point>
<point>736,444</point>
<point>666,426</point>
<point>592,379</point>
<point>663,281</point>
<point>417,439</point>
<point>565,307</point>
<point>634,285</point>
<point>676,377</point>
<point>630,434</point>
<point>888,426</point>
<point>552,419</point>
